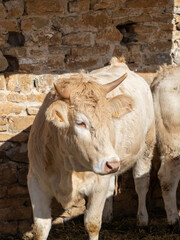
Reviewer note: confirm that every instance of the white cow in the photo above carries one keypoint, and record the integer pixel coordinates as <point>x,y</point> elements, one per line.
<point>86,131</point>
<point>166,94</point>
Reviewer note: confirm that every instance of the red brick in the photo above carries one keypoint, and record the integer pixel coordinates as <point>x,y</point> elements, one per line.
<point>36,97</point>
<point>45,81</point>
<point>75,63</point>
<point>71,24</point>
<point>3,191</point>
<point>8,228</point>
<point>12,202</point>
<point>3,128</point>
<point>22,178</point>
<point>32,110</point>
<point>55,63</point>
<point>16,97</point>
<point>26,24</point>
<point>10,108</point>
<point>2,11</point>
<point>8,174</point>
<point>37,52</point>
<point>2,97</point>
<point>15,8</point>
<point>2,82</point>
<point>25,226</point>
<point>29,65</point>
<point>79,6</point>
<point>109,35</point>
<point>106,4</point>
<point>18,153</point>
<point>17,191</point>
<point>141,3</point>
<point>18,213</point>
<point>20,82</point>
<point>87,51</point>
<point>9,25</point>
<point>20,137</point>
<point>19,123</point>
<point>96,20</point>
<point>40,7</point>
<point>41,38</point>
<point>78,39</point>
<point>3,119</point>
<point>39,22</point>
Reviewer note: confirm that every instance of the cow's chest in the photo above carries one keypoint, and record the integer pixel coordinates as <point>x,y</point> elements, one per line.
<point>71,187</point>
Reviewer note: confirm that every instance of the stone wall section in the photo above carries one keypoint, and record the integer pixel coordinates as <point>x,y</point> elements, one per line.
<point>40,39</point>
<point>59,36</point>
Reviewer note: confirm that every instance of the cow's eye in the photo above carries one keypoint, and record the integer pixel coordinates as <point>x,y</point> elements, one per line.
<point>81,124</point>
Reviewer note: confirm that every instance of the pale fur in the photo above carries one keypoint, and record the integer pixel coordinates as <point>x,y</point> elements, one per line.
<point>62,162</point>
<point>166,94</point>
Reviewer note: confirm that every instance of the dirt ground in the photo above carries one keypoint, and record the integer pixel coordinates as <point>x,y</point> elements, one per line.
<point>119,229</point>
<point>124,229</point>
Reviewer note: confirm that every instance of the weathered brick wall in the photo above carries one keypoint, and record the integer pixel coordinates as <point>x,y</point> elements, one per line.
<point>56,36</point>
<point>40,39</point>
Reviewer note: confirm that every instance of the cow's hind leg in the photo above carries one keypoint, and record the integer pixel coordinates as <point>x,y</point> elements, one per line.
<point>141,173</point>
<point>169,176</point>
<point>141,186</point>
<point>40,201</point>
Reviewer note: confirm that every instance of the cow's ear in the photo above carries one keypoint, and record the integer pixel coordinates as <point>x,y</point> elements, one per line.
<point>57,113</point>
<point>121,105</point>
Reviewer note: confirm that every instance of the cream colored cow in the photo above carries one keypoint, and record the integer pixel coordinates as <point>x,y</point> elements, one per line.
<point>166,94</point>
<point>86,131</point>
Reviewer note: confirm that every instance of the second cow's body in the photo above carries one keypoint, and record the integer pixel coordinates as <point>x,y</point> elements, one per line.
<point>166,94</point>
<point>81,138</point>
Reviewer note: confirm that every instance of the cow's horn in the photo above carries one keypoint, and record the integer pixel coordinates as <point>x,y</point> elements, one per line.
<point>110,86</point>
<point>63,92</point>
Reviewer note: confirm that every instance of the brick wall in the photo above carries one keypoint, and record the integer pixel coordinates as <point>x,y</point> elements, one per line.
<point>40,39</point>
<point>56,36</point>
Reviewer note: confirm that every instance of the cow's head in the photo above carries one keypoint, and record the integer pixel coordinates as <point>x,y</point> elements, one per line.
<point>82,114</point>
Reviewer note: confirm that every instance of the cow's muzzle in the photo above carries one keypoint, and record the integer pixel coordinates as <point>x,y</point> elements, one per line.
<point>111,166</point>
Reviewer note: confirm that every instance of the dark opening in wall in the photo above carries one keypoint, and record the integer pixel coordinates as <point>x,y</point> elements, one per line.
<point>16,39</point>
<point>129,35</point>
<point>13,63</point>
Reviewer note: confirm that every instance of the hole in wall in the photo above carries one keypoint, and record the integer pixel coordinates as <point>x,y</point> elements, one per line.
<point>16,39</point>
<point>128,32</point>
<point>13,63</point>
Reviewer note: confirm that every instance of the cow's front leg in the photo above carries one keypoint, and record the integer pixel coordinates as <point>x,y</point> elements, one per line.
<point>95,206</point>
<point>169,178</point>
<point>40,201</point>
<point>108,208</point>
<point>141,175</point>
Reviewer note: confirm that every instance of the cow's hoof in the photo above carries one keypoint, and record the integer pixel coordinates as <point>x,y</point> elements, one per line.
<point>175,228</point>
<point>28,236</point>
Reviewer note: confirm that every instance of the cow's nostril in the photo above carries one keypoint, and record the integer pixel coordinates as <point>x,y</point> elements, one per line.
<point>112,166</point>
<point>108,165</point>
